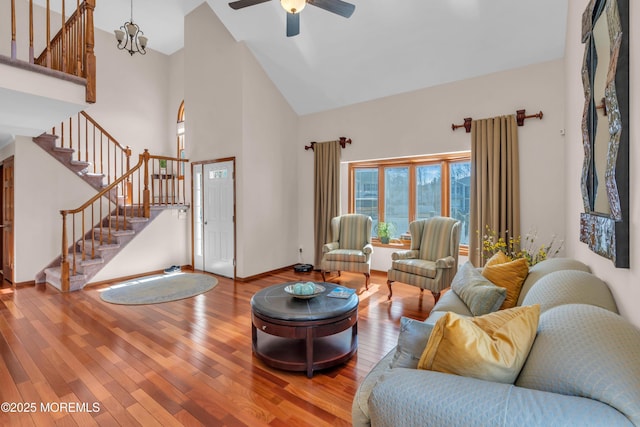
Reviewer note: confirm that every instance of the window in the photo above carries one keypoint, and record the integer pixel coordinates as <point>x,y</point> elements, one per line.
<point>180,140</point>
<point>400,191</point>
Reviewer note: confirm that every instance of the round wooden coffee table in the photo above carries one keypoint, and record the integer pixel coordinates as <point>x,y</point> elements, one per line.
<point>303,334</point>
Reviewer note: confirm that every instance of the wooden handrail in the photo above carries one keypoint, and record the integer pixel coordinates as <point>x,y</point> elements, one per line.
<point>94,145</point>
<point>106,190</point>
<point>70,51</point>
<point>107,134</point>
<point>121,204</point>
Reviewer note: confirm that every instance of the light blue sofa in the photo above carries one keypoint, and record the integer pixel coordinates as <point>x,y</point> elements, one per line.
<point>583,368</point>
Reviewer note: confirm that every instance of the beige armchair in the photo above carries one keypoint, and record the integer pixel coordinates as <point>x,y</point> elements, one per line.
<point>350,248</point>
<point>432,260</point>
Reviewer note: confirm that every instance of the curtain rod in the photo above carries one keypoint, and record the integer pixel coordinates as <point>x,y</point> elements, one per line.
<point>520,118</point>
<point>343,143</point>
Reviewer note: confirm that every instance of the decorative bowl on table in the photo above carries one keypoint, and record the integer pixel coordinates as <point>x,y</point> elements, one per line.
<point>304,290</point>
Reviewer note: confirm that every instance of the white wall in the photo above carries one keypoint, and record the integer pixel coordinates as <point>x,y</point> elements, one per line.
<point>175,96</point>
<point>419,123</point>
<point>161,244</point>
<point>43,187</point>
<point>234,110</point>
<point>624,283</point>
<point>133,97</point>
<point>269,215</point>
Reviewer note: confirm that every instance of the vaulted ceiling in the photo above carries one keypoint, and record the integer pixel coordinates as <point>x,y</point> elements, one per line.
<point>385,48</point>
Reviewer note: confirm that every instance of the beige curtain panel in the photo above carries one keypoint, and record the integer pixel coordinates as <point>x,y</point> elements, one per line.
<point>327,192</point>
<point>495,182</point>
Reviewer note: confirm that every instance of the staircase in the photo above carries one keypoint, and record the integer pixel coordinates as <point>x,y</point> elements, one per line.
<point>124,205</point>
<point>65,156</point>
<point>116,233</point>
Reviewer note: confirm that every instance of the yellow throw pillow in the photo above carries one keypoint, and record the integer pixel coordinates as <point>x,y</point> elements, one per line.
<point>507,274</point>
<point>492,347</point>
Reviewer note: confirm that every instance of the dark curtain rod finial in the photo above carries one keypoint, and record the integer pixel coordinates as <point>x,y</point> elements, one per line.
<point>343,143</point>
<point>520,118</point>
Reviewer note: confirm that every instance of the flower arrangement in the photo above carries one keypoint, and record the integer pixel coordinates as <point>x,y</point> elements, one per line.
<point>517,247</point>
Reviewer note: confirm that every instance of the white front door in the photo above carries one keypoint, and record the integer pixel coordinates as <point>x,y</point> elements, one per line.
<point>218,218</point>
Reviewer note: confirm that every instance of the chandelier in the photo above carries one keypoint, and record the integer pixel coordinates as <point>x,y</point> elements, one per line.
<point>130,37</point>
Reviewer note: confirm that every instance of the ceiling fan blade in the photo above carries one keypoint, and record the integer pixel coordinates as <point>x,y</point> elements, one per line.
<point>293,24</point>
<point>338,7</point>
<point>245,3</point>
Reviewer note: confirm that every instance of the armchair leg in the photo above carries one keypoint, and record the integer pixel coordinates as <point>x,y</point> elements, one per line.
<point>389,282</point>
<point>323,278</point>
<point>366,282</point>
<point>436,296</point>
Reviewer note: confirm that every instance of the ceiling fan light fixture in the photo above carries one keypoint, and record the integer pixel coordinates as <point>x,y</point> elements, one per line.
<point>293,6</point>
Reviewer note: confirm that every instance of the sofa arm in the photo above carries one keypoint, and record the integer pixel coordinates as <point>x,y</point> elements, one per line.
<point>446,262</point>
<point>328,247</point>
<point>409,254</point>
<point>408,397</point>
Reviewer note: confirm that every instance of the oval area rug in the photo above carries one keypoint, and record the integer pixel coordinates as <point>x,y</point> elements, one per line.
<point>159,288</point>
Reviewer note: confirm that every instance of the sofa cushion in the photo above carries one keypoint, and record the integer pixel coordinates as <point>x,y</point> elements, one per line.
<point>570,287</point>
<point>541,269</point>
<point>477,292</point>
<point>409,398</point>
<point>587,351</point>
<point>507,274</point>
<point>346,255</point>
<point>449,301</point>
<point>492,347</point>
<point>412,340</point>
<point>419,267</point>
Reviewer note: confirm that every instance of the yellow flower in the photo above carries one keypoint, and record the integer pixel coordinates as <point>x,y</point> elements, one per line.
<point>514,248</point>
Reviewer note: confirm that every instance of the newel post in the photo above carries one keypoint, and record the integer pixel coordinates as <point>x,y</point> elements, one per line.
<point>89,55</point>
<point>63,42</point>
<point>64,263</point>
<point>146,194</point>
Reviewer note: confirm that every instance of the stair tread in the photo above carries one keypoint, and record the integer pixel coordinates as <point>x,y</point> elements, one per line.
<point>79,162</point>
<point>130,218</point>
<point>64,150</point>
<point>97,246</point>
<point>57,272</point>
<point>115,232</point>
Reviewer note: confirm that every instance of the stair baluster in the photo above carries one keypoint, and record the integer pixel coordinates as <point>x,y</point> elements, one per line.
<point>118,221</point>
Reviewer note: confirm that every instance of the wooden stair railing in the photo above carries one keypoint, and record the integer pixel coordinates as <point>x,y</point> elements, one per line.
<point>93,145</point>
<point>71,50</point>
<point>94,223</point>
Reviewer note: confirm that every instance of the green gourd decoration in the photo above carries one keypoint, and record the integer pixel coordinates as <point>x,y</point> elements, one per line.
<point>307,288</point>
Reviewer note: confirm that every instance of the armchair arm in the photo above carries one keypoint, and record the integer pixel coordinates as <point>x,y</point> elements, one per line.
<point>446,262</point>
<point>368,249</point>
<point>409,254</point>
<point>328,247</point>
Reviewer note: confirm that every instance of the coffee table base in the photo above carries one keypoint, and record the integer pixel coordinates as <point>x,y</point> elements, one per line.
<point>305,346</point>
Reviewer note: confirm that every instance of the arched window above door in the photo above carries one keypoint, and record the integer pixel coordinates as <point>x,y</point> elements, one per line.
<point>180,138</point>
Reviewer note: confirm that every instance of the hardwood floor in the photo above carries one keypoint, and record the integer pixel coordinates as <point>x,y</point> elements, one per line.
<point>72,359</point>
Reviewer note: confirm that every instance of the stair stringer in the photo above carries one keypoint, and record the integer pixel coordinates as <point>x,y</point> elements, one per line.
<point>51,274</point>
<point>47,142</point>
